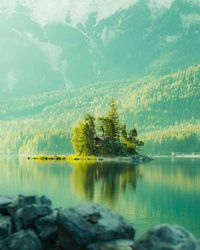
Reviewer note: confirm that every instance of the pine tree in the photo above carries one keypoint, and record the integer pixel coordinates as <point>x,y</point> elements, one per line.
<point>83,136</point>
<point>113,139</point>
<point>123,132</point>
<point>90,133</point>
<point>77,139</point>
<point>113,122</point>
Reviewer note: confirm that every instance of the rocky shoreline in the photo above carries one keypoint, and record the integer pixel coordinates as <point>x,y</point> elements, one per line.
<point>30,223</point>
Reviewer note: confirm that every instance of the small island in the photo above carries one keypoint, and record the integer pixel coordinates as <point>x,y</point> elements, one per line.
<point>103,138</point>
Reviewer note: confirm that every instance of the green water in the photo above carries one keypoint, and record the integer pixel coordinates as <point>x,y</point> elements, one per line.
<point>164,190</point>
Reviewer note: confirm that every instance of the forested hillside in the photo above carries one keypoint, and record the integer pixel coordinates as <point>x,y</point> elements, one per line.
<point>165,111</point>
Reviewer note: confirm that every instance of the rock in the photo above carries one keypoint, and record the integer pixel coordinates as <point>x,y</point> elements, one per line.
<point>112,245</point>
<point>17,220</point>
<point>22,201</point>
<point>46,228</point>
<point>5,227</point>
<point>22,240</point>
<point>43,210</point>
<point>167,237</point>
<point>30,200</point>
<point>15,205</point>
<point>26,216</point>
<point>4,202</point>
<point>45,201</point>
<point>90,223</point>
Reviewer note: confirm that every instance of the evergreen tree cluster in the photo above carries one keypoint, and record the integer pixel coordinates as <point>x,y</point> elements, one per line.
<point>105,136</point>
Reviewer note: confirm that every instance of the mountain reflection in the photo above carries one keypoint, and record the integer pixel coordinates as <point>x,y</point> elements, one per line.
<point>103,181</point>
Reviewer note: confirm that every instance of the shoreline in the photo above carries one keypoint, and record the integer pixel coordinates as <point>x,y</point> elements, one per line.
<point>31,222</point>
<point>131,159</point>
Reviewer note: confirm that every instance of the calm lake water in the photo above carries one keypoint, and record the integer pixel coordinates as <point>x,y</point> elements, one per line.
<point>164,190</point>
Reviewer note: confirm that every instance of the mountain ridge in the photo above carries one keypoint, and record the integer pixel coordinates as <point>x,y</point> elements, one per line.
<point>127,45</point>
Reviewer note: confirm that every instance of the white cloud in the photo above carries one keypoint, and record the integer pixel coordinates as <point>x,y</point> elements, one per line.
<point>51,11</point>
<point>7,6</point>
<point>56,11</point>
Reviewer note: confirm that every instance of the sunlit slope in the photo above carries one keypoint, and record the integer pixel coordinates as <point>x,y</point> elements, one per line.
<point>150,104</point>
<point>150,101</point>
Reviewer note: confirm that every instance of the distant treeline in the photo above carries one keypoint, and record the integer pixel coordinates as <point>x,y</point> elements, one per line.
<point>52,142</point>
<point>180,138</point>
<point>183,138</point>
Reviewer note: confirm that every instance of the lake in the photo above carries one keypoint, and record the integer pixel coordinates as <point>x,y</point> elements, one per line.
<point>164,190</point>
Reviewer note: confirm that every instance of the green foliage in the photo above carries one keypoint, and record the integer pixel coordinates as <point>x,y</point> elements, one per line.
<point>83,136</point>
<point>34,142</point>
<point>153,104</point>
<point>183,138</point>
<point>87,141</point>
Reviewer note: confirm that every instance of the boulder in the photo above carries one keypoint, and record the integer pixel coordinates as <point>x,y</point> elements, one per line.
<point>22,201</point>
<point>46,228</point>
<point>90,223</point>
<point>5,226</point>
<point>167,237</point>
<point>45,201</point>
<point>26,216</point>
<point>4,202</point>
<point>112,245</point>
<point>22,240</point>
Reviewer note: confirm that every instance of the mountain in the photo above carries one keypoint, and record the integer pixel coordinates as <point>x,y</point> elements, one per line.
<point>164,109</point>
<point>130,43</point>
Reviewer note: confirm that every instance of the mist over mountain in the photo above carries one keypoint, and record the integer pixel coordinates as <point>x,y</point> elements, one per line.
<point>47,47</point>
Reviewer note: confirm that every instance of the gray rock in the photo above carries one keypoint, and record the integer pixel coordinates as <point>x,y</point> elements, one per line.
<point>26,216</point>
<point>43,210</point>
<point>22,201</point>
<point>4,202</point>
<point>89,223</point>
<point>45,201</point>
<point>18,203</point>
<point>167,237</point>
<point>17,220</point>
<point>22,240</point>
<point>30,200</point>
<point>112,245</point>
<point>46,228</point>
<point>5,226</point>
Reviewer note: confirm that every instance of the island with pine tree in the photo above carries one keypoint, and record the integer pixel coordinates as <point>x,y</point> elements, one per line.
<point>103,138</point>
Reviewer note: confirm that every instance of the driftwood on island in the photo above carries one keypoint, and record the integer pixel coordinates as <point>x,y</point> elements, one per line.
<point>30,223</point>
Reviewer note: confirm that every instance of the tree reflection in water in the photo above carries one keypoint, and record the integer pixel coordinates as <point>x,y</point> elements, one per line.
<point>103,181</point>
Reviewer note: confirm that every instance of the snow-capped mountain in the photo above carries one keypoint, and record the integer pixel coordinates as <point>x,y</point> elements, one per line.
<point>46,47</point>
